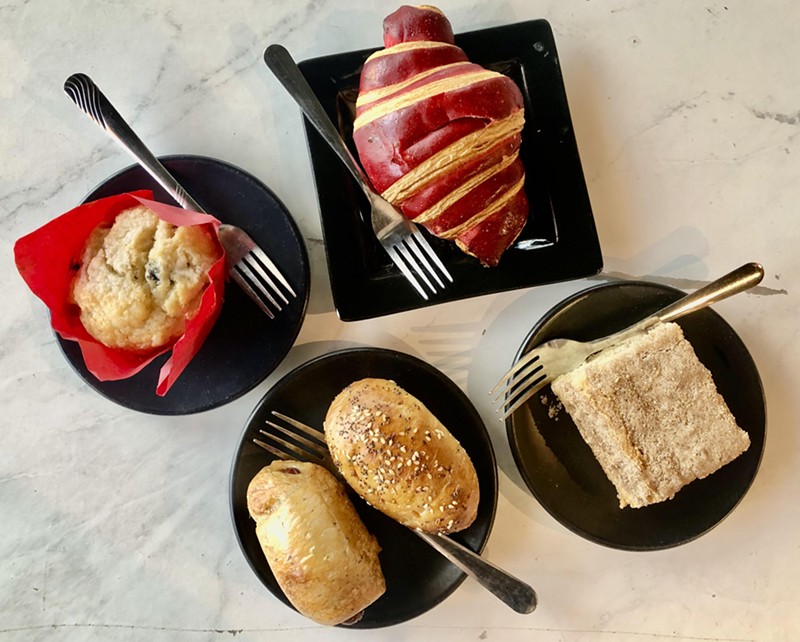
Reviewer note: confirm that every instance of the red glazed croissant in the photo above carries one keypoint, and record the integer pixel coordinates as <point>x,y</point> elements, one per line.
<point>439,136</point>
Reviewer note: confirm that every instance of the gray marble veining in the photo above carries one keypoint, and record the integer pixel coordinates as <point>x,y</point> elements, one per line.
<point>115,525</point>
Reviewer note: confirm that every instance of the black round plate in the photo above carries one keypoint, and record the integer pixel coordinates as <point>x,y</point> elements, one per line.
<point>245,345</point>
<point>417,577</point>
<point>560,469</point>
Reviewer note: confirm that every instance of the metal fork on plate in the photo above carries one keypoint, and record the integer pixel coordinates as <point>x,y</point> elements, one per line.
<point>248,265</point>
<point>305,443</point>
<point>559,356</point>
<point>402,239</point>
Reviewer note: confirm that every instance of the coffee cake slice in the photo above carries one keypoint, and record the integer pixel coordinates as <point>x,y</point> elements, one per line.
<point>651,414</point>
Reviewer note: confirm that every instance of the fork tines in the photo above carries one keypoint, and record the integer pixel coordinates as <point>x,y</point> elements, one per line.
<point>519,370</point>
<point>415,253</point>
<point>302,443</point>
<point>254,273</point>
<point>520,383</point>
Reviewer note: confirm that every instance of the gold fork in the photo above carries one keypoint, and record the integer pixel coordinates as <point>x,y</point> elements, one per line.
<point>301,442</point>
<point>559,356</point>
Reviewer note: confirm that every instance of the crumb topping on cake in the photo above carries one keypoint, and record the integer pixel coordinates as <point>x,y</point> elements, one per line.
<point>650,412</point>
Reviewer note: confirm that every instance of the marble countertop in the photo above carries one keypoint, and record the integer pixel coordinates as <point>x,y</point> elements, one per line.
<point>115,524</point>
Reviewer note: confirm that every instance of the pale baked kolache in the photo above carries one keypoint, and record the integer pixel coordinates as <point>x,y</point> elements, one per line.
<point>322,556</point>
<point>141,278</point>
<point>439,136</point>
<point>400,458</point>
<point>652,416</point>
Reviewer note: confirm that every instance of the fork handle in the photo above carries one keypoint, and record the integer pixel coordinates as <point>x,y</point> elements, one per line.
<point>514,592</point>
<point>88,97</point>
<point>739,280</point>
<point>281,63</point>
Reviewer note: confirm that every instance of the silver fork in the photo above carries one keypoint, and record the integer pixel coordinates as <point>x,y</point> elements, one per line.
<point>402,239</point>
<point>308,444</point>
<point>248,265</point>
<point>558,356</point>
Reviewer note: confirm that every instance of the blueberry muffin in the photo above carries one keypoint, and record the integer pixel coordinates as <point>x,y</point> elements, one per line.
<point>141,278</point>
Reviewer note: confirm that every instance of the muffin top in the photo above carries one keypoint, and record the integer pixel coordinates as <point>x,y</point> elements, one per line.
<point>141,278</point>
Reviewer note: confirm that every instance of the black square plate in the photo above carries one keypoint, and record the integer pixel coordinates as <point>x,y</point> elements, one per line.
<point>559,241</point>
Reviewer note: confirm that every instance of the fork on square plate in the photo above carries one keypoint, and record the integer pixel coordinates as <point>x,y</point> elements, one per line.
<point>298,441</point>
<point>402,239</point>
<point>544,363</point>
<point>248,264</point>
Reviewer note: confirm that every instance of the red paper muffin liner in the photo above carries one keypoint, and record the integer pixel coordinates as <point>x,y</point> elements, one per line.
<point>49,259</point>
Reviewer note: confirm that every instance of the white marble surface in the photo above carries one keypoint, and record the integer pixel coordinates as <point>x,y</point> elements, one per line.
<point>115,525</point>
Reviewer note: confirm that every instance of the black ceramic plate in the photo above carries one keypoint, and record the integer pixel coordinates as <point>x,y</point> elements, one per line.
<point>558,243</point>
<point>559,467</point>
<point>244,345</point>
<point>417,577</point>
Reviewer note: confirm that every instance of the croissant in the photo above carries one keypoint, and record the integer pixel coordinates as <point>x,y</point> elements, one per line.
<point>439,136</point>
